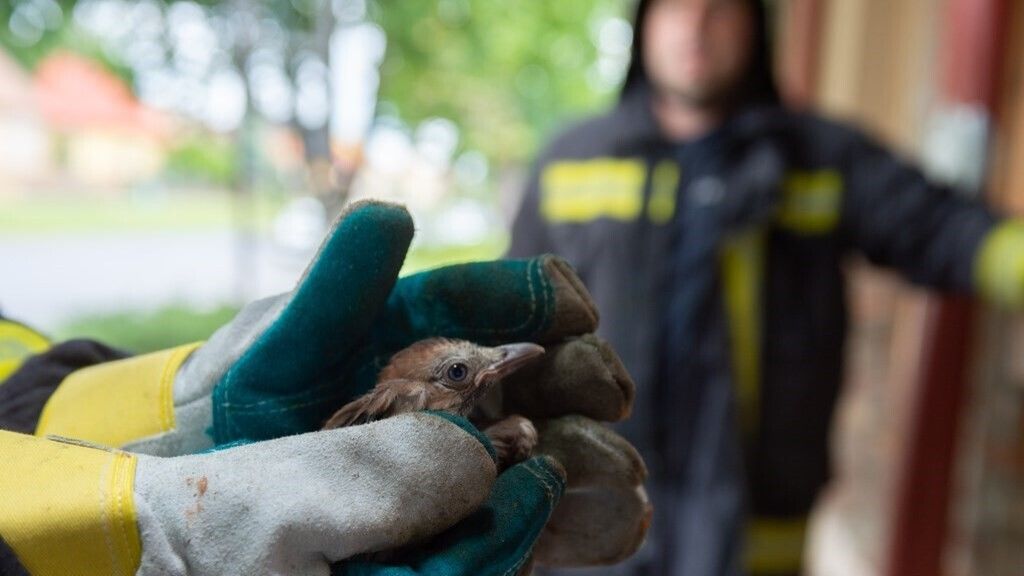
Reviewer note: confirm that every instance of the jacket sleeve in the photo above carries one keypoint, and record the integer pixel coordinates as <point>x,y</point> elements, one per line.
<point>530,233</point>
<point>897,218</point>
<point>27,390</point>
<point>9,564</point>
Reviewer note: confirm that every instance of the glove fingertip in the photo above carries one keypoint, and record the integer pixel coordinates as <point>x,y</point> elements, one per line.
<point>371,235</point>
<point>540,473</point>
<point>287,381</point>
<point>552,469</point>
<point>575,312</point>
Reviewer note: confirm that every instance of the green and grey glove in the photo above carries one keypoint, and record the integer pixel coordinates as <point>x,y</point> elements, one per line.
<point>284,364</point>
<point>294,505</point>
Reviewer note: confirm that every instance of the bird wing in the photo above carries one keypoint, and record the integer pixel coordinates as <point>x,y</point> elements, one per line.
<point>386,399</point>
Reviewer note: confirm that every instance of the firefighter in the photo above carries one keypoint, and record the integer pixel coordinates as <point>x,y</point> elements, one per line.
<point>710,224</point>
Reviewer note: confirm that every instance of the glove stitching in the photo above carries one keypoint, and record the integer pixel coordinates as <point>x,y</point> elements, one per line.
<point>166,391</point>
<point>222,406</point>
<point>122,460</point>
<point>549,299</point>
<point>229,376</point>
<point>548,480</point>
<point>533,297</point>
<point>544,305</point>
<point>252,406</point>
<point>519,563</point>
<point>253,409</point>
<point>532,317</point>
<point>104,520</point>
<point>167,385</point>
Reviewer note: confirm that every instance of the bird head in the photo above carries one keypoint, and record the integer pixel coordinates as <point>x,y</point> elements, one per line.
<point>436,374</point>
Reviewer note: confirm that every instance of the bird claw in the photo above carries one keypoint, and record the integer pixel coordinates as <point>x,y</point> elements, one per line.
<point>513,438</point>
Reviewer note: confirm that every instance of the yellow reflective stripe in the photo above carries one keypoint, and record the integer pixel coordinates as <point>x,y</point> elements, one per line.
<point>662,205</point>
<point>742,278</point>
<point>18,342</point>
<point>585,191</point>
<point>774,546</point>
<point>116,402</point>
<point>811,201</point>
<point>999,265</point>
<point>67,509</point>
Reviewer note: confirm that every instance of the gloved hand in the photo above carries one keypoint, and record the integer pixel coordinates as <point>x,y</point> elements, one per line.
<point>604,514</point>
<point>284,364</point>
<point>287,506</point>
<point>276,369</point>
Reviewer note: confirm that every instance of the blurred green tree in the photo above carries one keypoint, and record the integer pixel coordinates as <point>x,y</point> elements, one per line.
<point>203,159</point>
<point>31,29</point>
<point>507,73</point>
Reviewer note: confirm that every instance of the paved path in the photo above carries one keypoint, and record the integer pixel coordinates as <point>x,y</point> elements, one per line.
<point>47,279</point>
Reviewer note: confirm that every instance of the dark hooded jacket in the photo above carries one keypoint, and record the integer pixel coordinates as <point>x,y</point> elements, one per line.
<point>716,265</point>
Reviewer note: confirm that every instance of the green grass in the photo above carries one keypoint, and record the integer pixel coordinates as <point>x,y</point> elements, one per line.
<point>427,257</point>
<point>205,211</point>
<point>142,333</point>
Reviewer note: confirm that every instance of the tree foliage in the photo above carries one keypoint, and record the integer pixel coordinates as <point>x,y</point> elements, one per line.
<point>506,72</point>
<point>29,31</point>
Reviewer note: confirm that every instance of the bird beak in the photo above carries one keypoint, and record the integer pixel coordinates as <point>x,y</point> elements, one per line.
<point>513,357</point>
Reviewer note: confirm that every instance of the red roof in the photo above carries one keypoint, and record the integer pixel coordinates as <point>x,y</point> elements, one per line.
<point>76,93</point>
<point>16,89</point>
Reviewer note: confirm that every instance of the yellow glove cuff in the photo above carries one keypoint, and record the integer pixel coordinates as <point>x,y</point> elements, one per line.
<point>68,509</point>
<point>115,403</point>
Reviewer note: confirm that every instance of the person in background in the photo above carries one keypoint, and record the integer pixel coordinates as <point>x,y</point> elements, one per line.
<point>710,224</point>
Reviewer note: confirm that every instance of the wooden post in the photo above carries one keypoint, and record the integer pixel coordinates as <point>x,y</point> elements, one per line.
<point>970,65</point>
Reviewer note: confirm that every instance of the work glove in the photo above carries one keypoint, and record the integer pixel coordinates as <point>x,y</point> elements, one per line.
<point>284,364</point>
<point>292,506</point>
<point>604,513</point>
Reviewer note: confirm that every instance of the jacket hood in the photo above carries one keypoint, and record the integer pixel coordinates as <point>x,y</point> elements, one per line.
<point>759,86</point>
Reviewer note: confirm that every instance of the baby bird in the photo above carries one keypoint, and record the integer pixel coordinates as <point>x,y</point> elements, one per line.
<point>449,375</point>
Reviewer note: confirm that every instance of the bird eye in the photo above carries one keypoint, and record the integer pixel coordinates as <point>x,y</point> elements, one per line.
<point>457,372</point>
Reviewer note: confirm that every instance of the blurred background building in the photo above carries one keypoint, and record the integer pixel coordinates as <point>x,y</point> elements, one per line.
<point>164,161</point>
